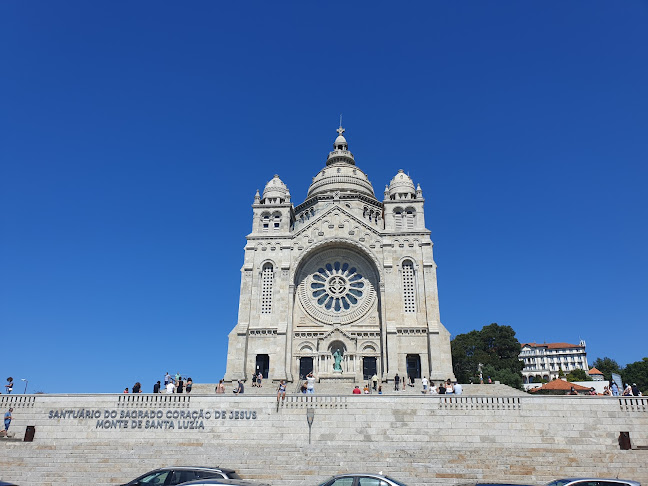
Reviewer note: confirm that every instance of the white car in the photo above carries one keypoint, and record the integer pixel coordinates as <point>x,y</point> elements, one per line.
<point>357,479</point>
<point>593,482</point>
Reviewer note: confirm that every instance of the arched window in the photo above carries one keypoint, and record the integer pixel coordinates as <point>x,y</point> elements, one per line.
<point>267,279</point>
<point>265,222</point>
<point>409,291</point>
<point>398,219</point>
<point>410,214</point>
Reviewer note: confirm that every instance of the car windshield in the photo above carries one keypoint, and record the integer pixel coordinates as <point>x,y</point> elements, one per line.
<point>156,478</point>
<point>559,482</point>
<point>395,482</point>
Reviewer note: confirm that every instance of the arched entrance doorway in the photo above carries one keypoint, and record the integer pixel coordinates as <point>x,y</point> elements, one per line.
<point>305,366</point>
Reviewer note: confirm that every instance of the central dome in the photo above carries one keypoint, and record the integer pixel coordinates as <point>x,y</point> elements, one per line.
<point>340,174</point>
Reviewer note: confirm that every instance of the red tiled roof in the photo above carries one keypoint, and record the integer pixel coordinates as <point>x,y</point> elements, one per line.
<point>560,385</point>
<point>552,345</point>
<point>594,371</point>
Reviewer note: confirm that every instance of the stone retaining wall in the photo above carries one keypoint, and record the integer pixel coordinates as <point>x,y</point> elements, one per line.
<point>106,439</point>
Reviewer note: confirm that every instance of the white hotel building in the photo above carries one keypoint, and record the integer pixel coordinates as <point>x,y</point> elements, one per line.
<point>546,360</point>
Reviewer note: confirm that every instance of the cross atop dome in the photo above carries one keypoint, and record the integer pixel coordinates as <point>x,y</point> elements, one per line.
<point>340,130</point>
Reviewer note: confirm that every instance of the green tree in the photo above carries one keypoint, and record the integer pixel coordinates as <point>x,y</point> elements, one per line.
<point>578,375</point>
<point>637,372</point>
<point>495,347</point>
<point>503,375</point>
<point>607,366</point>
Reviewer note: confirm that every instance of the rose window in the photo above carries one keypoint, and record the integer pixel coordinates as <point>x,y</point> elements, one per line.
<point>337,286</point>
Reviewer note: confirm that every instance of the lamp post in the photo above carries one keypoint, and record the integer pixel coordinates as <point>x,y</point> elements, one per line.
<point>26,381</point>
<point>310,415</point>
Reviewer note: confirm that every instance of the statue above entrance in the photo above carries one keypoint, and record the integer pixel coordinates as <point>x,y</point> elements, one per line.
<point>337,356</point>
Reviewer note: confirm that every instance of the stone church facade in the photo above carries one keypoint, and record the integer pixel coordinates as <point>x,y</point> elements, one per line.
<point>341,272</point>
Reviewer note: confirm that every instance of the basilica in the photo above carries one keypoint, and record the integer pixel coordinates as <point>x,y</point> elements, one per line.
<point>342,284</point>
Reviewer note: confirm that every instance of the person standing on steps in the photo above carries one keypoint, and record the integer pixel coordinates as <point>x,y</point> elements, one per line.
<point>188,385</point>
<point>310,383</point>
<point>7,421</point>
<point>374,381</point>
<point>396,382</point>
<point>156,387</point>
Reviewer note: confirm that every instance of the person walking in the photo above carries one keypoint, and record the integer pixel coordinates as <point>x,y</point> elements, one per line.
<point>396,382</point>
<point>167,379</point>
<point>9,385</point>
<point>424,384</point>
<point>7,421</point>
<point>281,390</point>
<point>374,381</point>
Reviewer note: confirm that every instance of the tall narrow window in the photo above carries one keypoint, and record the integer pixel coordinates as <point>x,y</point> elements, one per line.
<point>267,277</point>
<point>265,222</point>
<point>398,219</point>
<point>409,294</point>
<point>410,219</point>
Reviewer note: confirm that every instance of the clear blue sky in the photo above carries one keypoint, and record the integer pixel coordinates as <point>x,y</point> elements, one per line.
<point>133,136</point>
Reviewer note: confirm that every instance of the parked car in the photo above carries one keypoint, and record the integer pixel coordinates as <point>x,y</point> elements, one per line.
<point>358,479</point>
<point>492,484</point>
<point>593,482</point>
<point>231,482</point>
<point>170,476</point>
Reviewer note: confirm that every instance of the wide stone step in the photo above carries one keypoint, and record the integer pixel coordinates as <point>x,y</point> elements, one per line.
<point>269,388</point>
